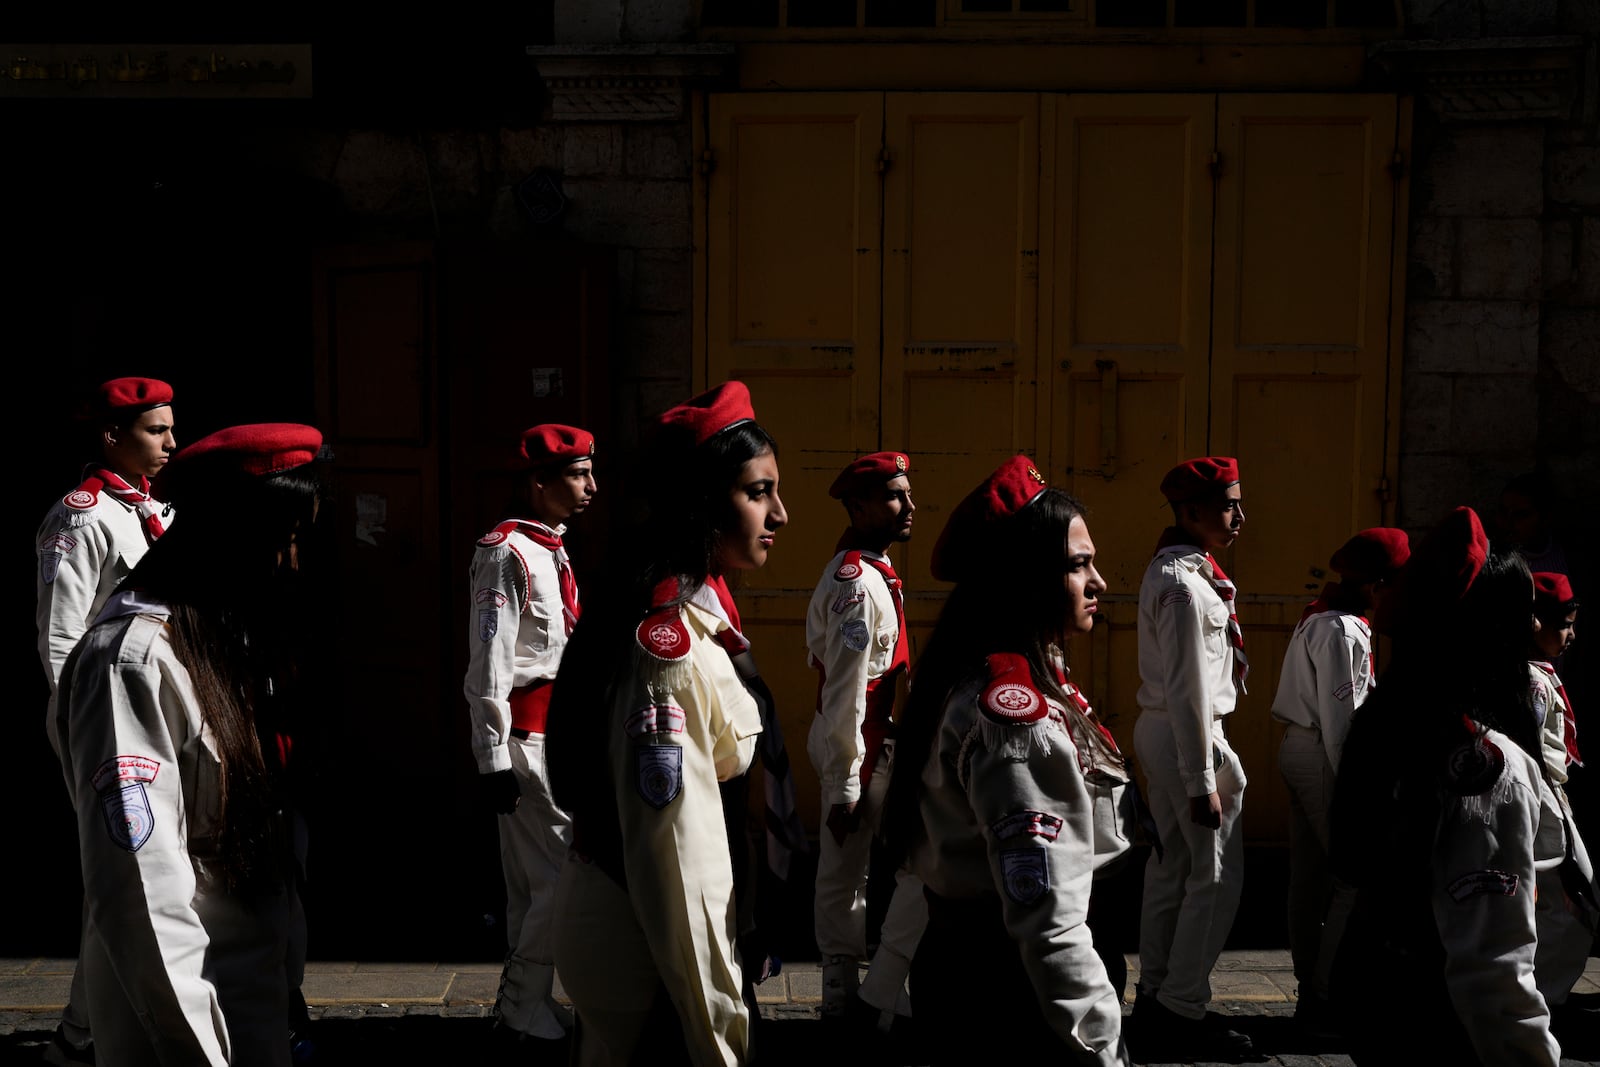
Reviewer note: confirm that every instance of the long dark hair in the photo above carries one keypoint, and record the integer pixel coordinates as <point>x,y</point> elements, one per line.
<point>684,506</point>
<point>1022,611</point>
<point>237,610</point>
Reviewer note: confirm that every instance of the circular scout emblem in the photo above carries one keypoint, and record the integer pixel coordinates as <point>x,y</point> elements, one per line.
<point>492,538</point>
<point>80,498</point>
<point>848,572</point>
<point>1013,701</point>
<point>1475,766</point>
<point>664,636</point>
<point>900,464</point>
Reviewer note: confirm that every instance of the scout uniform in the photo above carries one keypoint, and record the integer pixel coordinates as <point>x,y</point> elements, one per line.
<point>1191,670</point>
<point>524,606</point>
<point>856,636</point>
<point>1327,673</point>
<point>1025,801</point>
<point>179,967</point>
<point>647,904</point>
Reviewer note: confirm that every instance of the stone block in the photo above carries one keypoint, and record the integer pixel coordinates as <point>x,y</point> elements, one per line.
<point>657,20</point>
<point>383,174</point>
<point>592,151</point>
<point>1586,283</point>
<point>1425,401</point>
<point>1499,259</point>
<point>1490,171</point>
<point>635,214</point>
<point>521,152</point>
<point>456,161</point>
<point>588,21</point>
<point>1560,239</point>
<point>1430,258</point>
<point>652,151</point>
<point>1472,337</point>
<point>663,280</point>
<point>1443,19</point>
<point>1494,414</point>
<point>1524,18</point>
<point>656,345</point>
<point>1571,347</point>
<point>1429,486</point>
<point>1574,176</point>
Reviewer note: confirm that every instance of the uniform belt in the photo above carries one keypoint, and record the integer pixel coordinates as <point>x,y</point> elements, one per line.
<point>530,707</point>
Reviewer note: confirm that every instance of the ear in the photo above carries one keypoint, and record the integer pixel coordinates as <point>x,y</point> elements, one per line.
<point>108,437</point>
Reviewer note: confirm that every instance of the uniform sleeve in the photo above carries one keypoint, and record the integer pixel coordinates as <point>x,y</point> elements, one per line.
<point>1483,904</point>
<point>1552,727</point>
<point>67,580</point>
<point>675,850</point>
<point>1039,828</point>
<point>1342,667</point>
<point>497,580</point>
<point>835,744</point>
<point>139,881</point>
<point>1180,629</point>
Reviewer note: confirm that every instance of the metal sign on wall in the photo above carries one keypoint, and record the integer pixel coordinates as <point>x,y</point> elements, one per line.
<point>156,71</point>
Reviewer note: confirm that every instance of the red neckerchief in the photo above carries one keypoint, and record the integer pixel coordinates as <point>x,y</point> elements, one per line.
<point>139,499</point>
<point>902,658</point>
<point>1569,721</point>
<point>545,537</point>
<point>1080,703</point>
<point>1176,537</point>
<point>733,638</point>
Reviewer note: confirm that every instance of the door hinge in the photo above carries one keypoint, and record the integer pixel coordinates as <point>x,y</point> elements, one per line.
<point>1397,165</point>
<point>1215,166</point>
<point>885,157</point>
<point>708,163</point>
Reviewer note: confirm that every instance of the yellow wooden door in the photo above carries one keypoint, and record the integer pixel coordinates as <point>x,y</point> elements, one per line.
<point>1126,262</point>
<point>792,306</point>
<point>1299,364</point>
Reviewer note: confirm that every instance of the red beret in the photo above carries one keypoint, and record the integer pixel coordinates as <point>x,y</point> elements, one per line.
<point>708,414</point>
<point>257,450</point>
<point>869,472</point>
<point>1372,554</point>
<point>551,442</point>
<point>1551,590</point>
<point>124,395</point>
<point>1199,477</point>
<point>1014,485</point>
<point>1449,559</point>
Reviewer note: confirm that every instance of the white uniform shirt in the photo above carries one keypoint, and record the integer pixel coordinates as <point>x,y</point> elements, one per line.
<point>670,747</point>
<point>144,778</point>
<point>1327,673</point>
<point>1552,711</point>
<point>1185,659</point>
<point>851,630</point>
<point>86,547</point>
<point>518,635</point>
<point>1022,811</point>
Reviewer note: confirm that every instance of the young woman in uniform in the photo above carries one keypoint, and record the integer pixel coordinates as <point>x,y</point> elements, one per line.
<point>174,739</point>
<point>648,716</point>
<point>1009,797</point>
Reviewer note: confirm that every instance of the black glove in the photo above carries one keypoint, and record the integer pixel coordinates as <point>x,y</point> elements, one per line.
<point>501,790</point>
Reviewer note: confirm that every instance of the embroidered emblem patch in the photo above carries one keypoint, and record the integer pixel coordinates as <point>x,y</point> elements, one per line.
<point>1483,883</point>
<point>855,634</point>
<point>1035,475</point>
<point>1344,691</point>
<point>1179,595</point>
<point>848,572</point>
<point>51,553</point>
<point>900,463</point>
<point>488,624</point>
<point>1014,701</point>
<point>848,600</point>
<point>1030,823</point>
<point>129,820</point>
<point>885,640</point>
<point>493,537</point>
<point>490,596</point>
<point>1026,873</point>
<point>660,773</point>
<point>655,719</point>
<point>664,636</point>
<point>1475,766</point>
<point>79,499</point>
<point>124,769</point>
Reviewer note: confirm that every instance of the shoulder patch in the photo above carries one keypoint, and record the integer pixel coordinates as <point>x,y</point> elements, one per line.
<point>1345,689</point>
<point>850,569</point>
<point>1026,873</point>
<point>848,599</point>
<point>1176,595</point>
<point>497,536</point>
<point>81,499</point>
<point>663,636</point>
<point>1030,823</point>
<point>1483,883</point>
<point>1011,697</point>
<point>854,632</point>
<point>659,773</point>
<point>655,718</point>
<point>124,804</point>
<point>1474,767</point>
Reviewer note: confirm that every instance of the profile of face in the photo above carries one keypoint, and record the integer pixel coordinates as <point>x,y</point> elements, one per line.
<point>1082,581</point>
<point>142,448</point>
<point>753,518</point>
<point>1215,522</point>
<point>886,515</point>
<point>559,496</point>
<point>1554,636</point>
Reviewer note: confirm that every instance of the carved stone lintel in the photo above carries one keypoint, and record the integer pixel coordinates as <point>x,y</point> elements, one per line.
<point>628,83</point>
<point>1517,79</point>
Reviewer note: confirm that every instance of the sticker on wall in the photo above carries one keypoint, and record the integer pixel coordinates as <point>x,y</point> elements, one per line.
<point>372,511</point>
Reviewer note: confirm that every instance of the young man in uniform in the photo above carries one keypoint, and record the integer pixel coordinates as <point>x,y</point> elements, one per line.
<point>855,631</point>
<point>1191,671</point>
<point>524,606</point>
<point>86,545</point>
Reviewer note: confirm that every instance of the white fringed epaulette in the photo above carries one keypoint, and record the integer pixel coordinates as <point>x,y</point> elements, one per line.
<point>1014,717</point>
<point>661,651</point>
<point>1475,774</point>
